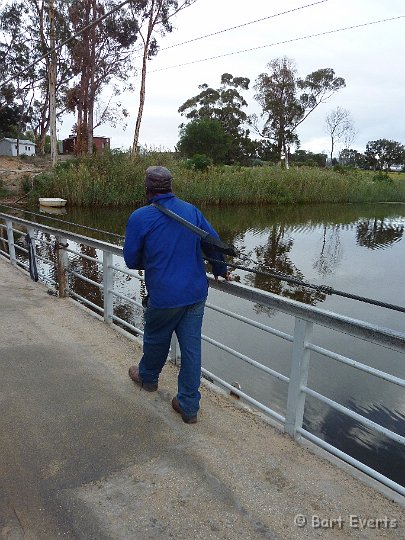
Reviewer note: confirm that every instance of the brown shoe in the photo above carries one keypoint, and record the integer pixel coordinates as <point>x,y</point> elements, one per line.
<point>186,419</point>
<point>133,373</point>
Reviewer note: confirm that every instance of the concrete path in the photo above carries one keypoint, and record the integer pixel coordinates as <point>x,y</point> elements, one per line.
<point>85,454</point>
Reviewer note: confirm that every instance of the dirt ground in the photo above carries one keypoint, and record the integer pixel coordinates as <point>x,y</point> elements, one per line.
<point>14,170</point>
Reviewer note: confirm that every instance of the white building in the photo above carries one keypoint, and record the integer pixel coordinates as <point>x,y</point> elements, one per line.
<point>8,147</point>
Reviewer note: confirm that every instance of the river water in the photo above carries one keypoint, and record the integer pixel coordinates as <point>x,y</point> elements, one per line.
<point>355,248</point>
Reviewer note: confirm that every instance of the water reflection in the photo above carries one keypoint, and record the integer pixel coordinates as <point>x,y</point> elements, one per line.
<point>52,210</point>
<point>274,254</point>
<point>90,269</point>
<point>378,233</point>
<point>331,251</point>
<point>375,450</point>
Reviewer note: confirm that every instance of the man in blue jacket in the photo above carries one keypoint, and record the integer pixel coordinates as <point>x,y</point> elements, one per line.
<point>177,286</point>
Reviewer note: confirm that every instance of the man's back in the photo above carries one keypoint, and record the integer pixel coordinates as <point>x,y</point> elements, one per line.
<point>169,253</point>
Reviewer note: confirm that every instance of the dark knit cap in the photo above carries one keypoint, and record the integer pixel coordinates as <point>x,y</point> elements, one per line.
<point>158,179</point>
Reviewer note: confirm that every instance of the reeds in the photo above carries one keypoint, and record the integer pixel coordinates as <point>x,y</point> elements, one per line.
<point>114,179</point>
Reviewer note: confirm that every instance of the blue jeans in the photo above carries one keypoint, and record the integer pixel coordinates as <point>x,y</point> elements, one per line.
<point>160,324</point>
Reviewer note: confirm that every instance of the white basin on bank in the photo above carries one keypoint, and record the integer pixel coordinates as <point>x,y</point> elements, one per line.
<point>52,201</point>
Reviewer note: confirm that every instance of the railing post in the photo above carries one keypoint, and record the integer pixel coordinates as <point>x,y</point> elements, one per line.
<point>298,376</point>
<point>61,265</point>
<point>108,286</point>
<point>10,239</point>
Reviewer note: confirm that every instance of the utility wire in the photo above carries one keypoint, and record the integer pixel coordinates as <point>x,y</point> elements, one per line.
<point>90,25</point>
<point>242,25</point>
<point>278,43</point>
<point>119,6</point>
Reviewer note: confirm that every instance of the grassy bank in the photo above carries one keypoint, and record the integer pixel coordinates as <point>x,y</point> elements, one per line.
<point>116,180</point>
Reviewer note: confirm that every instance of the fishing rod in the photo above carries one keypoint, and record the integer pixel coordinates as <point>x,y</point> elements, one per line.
<point>324,289</point>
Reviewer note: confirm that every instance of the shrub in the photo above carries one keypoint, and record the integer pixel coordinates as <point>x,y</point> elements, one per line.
<point>383,177</point>
<point>199,162</point>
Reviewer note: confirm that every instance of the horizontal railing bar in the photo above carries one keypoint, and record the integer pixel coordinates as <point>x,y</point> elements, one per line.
<point>3,226</point>
<point>352,461</point>
<point>24,265</point>
<point>4,240</point>
<point>16,246</point>
<point>87,257</point>
<point>126,298</point>
<point>247,398</point>
<point>127,324</point>
<point>354,327</point>
<point>5,253</point>
<point>86,279</point>
<point>127,272</point>
<point>357,365</point>
<point>19,232</point>
<point>246,359</point>
<point>80,239</point>
<point>251,322</point>
<point>365,421</point>
<point>85,301</point>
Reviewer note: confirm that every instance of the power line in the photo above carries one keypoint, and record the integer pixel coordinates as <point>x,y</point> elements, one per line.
<point>242,25</point>
<point>278,43</point>
<point>90,25</point>
<point>119,6</point>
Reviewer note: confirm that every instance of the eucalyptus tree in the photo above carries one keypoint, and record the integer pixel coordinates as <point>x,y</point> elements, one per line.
<point>349,156</point>
<point>287,100</point>
<point>101,56</point>
<point>17,91</point>
<point>383,153</point>
<point>205,136</point>
<point>339,126</point>
<point>225,105</point>
<point>24,46</point>
<point>154,18</point>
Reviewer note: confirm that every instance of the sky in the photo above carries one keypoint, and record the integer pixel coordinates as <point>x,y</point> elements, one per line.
<point>370,59</point>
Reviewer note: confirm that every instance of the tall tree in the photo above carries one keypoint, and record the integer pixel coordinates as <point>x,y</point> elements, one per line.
<point>287,100</point>
<point>339,126</point>
<point>24,41</point>
<point>381,154</point>
<point>16,55</point>
<point>349,156</point>
<point>205,136</point>
<point>154,16</point>
<point>225,105</point>
<point>101,54</point>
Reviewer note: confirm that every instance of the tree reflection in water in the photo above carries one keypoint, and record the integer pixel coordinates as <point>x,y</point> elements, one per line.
<point>378,233</point>
<point>89,269</point>
<point>331,251</point>
<point>366,445</point>
<point>274,255</point>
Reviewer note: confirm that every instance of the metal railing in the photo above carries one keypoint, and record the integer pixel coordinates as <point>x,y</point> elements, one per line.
<point>305,317</point>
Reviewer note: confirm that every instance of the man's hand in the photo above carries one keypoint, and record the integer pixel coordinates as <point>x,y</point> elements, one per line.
<point>226,276</point>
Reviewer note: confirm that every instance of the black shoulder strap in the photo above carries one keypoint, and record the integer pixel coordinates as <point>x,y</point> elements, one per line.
<point>204,235</point>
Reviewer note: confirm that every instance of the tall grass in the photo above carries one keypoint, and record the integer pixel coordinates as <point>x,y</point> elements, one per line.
<point>117,180</point>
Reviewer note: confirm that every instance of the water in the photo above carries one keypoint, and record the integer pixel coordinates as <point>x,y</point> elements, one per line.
<point>355,248</point>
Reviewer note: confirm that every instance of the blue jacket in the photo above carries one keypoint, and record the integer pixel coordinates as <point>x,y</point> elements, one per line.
<point>170,253</point>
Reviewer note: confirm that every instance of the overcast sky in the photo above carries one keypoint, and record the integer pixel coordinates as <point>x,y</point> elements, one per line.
<point>370,59</point>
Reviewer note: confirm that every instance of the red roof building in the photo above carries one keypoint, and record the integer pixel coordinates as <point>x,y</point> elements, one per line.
<point>99,144</point>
